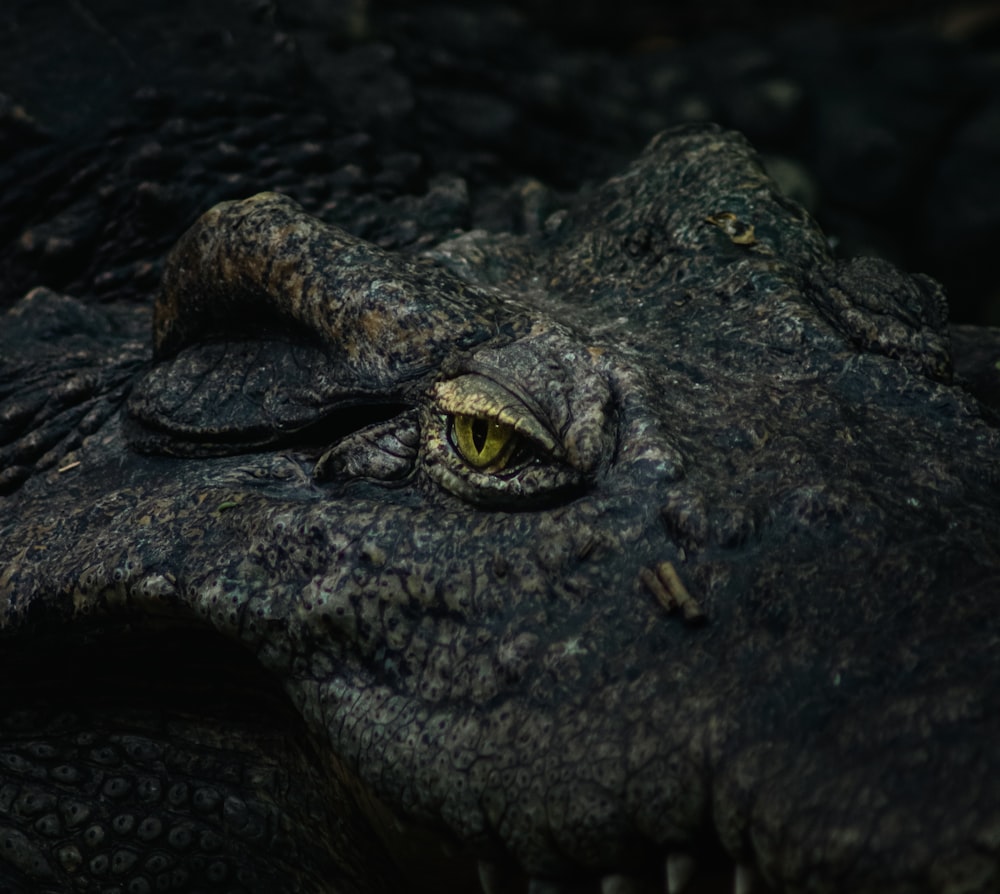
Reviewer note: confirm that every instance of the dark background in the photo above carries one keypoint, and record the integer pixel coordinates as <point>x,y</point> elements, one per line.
<point>120,121</point>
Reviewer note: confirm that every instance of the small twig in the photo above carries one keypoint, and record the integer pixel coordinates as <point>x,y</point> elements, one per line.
<point>665,584</point>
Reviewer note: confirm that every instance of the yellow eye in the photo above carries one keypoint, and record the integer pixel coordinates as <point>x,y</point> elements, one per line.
<point>483,443</point>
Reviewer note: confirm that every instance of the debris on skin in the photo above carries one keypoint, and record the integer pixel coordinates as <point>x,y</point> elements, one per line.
<point>665,584</point>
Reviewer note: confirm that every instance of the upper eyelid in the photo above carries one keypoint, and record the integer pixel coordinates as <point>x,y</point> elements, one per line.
<point>478,396</point>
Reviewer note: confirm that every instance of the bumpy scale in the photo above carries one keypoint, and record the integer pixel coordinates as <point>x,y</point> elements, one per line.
<point>658,550</point>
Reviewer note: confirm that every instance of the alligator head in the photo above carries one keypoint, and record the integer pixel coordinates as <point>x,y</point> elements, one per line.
<point>652,548</point>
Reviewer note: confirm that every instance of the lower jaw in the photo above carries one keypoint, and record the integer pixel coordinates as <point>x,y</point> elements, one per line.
<point>678,876</point>
<point>432,862</point>
<point>467,876</point>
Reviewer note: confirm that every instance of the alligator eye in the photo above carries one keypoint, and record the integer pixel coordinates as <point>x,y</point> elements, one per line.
<point>484,444</point>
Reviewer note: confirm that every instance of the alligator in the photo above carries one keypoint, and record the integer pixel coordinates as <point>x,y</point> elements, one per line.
<point>656,549</point>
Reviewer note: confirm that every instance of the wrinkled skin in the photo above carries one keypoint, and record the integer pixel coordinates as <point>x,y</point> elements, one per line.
<point>720,589</point>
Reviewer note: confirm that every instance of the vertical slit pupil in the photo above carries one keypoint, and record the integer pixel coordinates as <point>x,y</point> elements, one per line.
<point>480,431</point>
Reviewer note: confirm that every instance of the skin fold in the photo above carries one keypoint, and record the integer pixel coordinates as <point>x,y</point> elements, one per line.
<point>655,548</point>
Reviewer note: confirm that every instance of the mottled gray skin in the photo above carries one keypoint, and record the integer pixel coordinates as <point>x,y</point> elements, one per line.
<point>734,596</point>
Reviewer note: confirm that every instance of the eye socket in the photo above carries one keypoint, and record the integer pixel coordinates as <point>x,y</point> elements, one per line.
<point>482,443</point>
<point>485,444</point>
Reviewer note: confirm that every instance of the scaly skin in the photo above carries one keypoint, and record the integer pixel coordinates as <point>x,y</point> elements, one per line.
<point>732,592</point>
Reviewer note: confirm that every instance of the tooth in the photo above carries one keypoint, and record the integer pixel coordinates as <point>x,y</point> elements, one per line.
<point>680,868</point>
<point>620,884</point>
<point>744,879</point>
<point>544,886</point>
<point>491,878</point>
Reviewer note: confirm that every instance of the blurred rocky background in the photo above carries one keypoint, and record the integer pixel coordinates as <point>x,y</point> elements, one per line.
<point>120,122</point>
